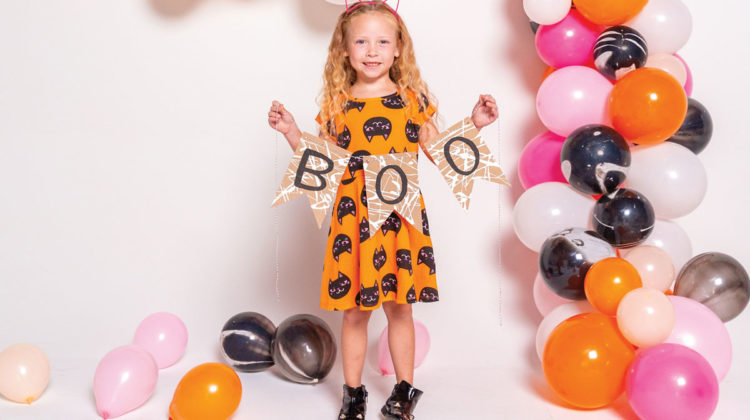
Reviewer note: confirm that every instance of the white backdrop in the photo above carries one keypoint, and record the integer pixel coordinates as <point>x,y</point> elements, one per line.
<point>137,171</point>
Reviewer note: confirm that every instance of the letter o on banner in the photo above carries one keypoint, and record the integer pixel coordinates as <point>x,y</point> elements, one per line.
<point>379,180</point>
<point>452,162</point>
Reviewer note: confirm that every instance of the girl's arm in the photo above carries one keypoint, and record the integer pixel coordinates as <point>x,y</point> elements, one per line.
<point>427,133</point>
<point>485,111</point>
<point>282,121</point>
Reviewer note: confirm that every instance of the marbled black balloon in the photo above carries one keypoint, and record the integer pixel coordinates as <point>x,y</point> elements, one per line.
<point>618,50</point>
<point>595,159</point>
<point>304,349</point>
<point>624,218</point>
<point>246,342</point>
<point>696,130</point>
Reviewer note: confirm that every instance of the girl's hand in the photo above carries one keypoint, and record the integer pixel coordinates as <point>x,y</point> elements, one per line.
<point>485,111</point>
<point>280,119</point>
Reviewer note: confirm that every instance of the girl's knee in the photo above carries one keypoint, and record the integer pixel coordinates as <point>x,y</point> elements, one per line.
<point>397,311</point>
<point>356,316</point>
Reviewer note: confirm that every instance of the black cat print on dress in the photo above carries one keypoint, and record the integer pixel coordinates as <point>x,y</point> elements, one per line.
<point>364,230</point>
<point>411,296</point>
<point>392,223</point>
<point>340,287</point>
<point>341,244</point>
<point>403,259</point>
<point>346,207</point>
<point>427,258</point>
<point>369,296</point>
<point>379,257</point>
<point>377,126</point>
<point>428,294</point>
<point>389,283</point>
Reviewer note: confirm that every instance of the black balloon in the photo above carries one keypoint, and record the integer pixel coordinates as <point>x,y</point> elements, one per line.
<point>696,130</point>
<point>618,50</point>
<point>595,159</point>
<point>304,349</point>
<point>624,218</point>
<point>534,26</point>
<point>246,341</point>
<point>566,257</point>
<point>716,280</point>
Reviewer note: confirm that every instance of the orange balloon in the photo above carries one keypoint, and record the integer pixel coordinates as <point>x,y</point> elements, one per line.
<point>549,70</point>
<point>609,12</point>
<point>211,391</point>
<point>608,281</point>
<point>585,360</point>
<point>647,106</point>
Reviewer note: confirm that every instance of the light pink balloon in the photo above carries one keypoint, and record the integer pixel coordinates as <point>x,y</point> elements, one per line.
<point>689,82</point>
<point>544,298</point>
<point>569,42</point>
<point>654,265</point>
<point>698,327</point>
<point>24,373</point>
<point>124,379</point>
<point>164,336</point>
<point>540,160</point>
<point>669,63</point>
<point>572,97</point>
<point>645,317</point>
<point>670,237</point>
<point>421,348</point>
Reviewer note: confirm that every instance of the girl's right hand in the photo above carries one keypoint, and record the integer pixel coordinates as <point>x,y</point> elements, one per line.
<point>280,119</point>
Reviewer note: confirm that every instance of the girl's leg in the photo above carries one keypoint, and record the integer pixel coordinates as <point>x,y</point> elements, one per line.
<point>354,345</point>
<point>401,339</point>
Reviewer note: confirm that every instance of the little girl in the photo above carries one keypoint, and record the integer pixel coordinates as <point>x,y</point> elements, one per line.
<point>374,102</point>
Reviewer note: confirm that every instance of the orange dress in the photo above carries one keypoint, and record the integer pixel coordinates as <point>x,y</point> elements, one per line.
<point>362,268</point>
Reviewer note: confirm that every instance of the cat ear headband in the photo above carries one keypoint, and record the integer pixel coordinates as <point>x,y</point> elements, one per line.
<point>383,2</point>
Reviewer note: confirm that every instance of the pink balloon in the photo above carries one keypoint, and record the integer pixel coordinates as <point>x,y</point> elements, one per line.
<point>572,97</point>
<point>544,298</point>
<point>124,379</point>
<point>569,42</point>
<point>689,82</point>
<point>671,382</point>
<point>421,347</point>
<point>540,160</point>
<point>164,336</point>
<point>698,327</point>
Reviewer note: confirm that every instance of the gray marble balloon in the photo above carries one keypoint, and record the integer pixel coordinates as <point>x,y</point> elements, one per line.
<point>566,257</point>
<point>716,280</point>
<point>246,341</point>
<point>696,130</point>
<point>304,349</point>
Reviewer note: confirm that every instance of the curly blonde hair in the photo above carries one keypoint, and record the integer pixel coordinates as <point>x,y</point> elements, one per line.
<point>339,75</point>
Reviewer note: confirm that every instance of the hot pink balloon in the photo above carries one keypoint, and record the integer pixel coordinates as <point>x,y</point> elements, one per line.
<point>544,298</point>
<point>689,82</point>
<point>569,42</point>
<point>164,336</point>
<point>124,379</point>
<point>572,97</point>
<point>540,160</point>
<point>421,348</point>
<point>671,382</point>
<point>698,327</point>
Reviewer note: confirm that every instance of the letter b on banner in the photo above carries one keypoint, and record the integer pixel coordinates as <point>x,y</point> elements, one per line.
<point>302,169</point>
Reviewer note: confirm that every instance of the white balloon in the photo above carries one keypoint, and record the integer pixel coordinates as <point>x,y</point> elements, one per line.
<point>546,12</point>
<point>545,298</point>
<point>670,176</point>
<point>666,25</point>
<point>548,208</point>
<point>340,1</point>
<point>554,318</point>
<point>670,237</point>
<point>669,63</point>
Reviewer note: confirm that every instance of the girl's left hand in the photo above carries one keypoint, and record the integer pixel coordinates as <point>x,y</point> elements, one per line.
<point>485,111</point>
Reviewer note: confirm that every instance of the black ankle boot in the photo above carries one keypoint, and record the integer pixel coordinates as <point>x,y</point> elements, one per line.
<point>402,401</point>
<point>354,404</point>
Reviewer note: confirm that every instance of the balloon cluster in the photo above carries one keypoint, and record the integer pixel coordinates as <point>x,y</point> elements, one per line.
<point>126,377</point>
<point>622,129</point>
<point>302,347</point>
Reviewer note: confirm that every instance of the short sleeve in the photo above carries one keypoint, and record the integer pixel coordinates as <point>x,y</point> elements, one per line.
<point>420,114</point>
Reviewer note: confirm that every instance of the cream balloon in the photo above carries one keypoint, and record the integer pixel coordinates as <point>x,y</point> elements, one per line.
<point>666,25</point>
<point>671,176</point>
<point>548,208</point>
<point>670,237</point>
<point>554,318</point>
<point>24,373</point>
<point>545,298</point>
<point>546,12</point>
<point>654,265</point>
<point>645,317</point>
<point>669,63</point>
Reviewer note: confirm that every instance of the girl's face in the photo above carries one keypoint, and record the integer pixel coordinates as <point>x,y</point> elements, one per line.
<point>371,46</point>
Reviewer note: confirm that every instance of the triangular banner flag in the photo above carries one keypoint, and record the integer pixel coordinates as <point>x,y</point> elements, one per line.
<point>461,157</point>
<point>392,183</point>
<point>315,170</point>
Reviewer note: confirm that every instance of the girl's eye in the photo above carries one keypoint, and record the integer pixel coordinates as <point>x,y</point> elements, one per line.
<point>359,41</point>
<point>384,42</point>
